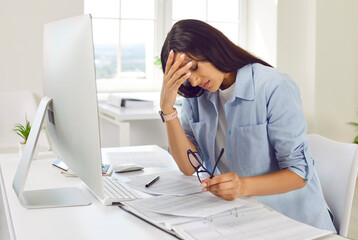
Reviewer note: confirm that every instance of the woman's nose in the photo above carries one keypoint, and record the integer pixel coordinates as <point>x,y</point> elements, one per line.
<point>194,80</point>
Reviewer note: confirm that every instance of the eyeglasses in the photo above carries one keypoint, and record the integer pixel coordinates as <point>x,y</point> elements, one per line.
<point>196,163</point>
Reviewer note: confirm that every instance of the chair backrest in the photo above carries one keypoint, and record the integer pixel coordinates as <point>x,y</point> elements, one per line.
<point>13,108</point>
<point>337,165</point>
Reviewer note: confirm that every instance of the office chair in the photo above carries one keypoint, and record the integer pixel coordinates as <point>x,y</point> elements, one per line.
<point>13,108</point>
<point>337,165</point>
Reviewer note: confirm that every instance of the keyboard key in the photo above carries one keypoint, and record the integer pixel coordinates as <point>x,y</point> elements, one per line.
<point>117,191</point>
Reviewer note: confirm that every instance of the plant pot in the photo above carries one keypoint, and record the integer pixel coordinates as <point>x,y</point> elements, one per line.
<point>21,147</point>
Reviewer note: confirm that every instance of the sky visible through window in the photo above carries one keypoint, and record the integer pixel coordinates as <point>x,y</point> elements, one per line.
<point>124,31</point>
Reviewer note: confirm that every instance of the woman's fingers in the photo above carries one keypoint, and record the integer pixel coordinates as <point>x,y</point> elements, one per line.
<point>226,194</point>
<point>226,186</point>
<point>221,186</point>
<point>220,178</point>
<point>169,62</point>
<point>174,77</point>
<point>179,74</point>
<point>175,66</point>
<point>226,190</point>
<point>180,81</point>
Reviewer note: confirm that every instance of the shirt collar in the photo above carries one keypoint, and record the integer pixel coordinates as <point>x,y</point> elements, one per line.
<point>244,85</point>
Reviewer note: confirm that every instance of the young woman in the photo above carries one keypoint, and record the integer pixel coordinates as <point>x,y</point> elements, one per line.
<point>235,101</point>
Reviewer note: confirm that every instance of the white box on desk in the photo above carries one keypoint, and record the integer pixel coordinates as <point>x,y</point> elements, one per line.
<point>118,100</point>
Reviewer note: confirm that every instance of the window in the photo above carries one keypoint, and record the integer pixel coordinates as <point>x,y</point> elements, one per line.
<point>128,36</point>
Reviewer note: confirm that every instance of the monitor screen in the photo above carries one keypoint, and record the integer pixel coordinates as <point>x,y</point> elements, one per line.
<point>69,80</point>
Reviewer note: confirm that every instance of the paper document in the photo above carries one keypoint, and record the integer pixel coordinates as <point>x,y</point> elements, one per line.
<point>196,205</point>
<point>147,100</point>
<point>164,220</point>
<point>168,221</point>
<point>143,158</point>
<point>248,219</point>
<point>259,223</point>
<point>170,183</point>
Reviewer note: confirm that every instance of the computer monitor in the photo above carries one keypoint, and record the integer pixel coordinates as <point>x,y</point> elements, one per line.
<point>70,104</point>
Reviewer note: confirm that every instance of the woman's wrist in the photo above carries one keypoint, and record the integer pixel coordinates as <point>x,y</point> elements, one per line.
<point>167,111</point>
<point>245,187</point>
<point>168,117</point>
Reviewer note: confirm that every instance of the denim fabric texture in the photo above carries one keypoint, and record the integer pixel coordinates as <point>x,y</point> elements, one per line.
<point>266,131</point>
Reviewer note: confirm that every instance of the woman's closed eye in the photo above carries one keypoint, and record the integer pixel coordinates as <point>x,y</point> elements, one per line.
<point>195,67</point>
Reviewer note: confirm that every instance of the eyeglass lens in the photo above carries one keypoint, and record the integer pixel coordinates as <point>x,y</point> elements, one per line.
<point>198,165</point>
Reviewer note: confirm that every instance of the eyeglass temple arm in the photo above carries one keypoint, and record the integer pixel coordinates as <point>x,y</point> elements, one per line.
<point>217,161</point>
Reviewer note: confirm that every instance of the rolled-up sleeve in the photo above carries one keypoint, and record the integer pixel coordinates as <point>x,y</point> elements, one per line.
<point>287,127</point>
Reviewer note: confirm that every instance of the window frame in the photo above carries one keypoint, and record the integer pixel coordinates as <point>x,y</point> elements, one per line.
<point>162,25</point>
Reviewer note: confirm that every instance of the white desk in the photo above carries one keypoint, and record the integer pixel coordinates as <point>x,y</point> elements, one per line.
<point>95,221</point>
<point>118,124</point>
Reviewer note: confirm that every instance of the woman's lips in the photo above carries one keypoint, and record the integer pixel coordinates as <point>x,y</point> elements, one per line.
<point>206,85</point>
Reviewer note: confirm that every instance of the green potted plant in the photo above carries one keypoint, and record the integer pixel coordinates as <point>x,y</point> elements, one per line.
<point>158,62</point>
<point>355,125</point>
<point>23,131</point>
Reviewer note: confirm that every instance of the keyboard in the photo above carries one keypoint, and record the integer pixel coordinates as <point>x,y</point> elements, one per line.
<point>116,191</point>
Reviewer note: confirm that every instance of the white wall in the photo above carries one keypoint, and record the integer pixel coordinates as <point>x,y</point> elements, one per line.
<point>21,26</point>
<point>296,49</point>
<point>262,29</point>
<point>336,91</point>
<point>317,46</point>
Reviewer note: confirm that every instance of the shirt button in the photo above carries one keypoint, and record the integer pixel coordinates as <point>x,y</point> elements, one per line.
<point>228,155</point>
<point>228,132</point>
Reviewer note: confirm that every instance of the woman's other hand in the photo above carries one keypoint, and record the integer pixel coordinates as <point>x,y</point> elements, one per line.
<point>227,186</point>
<point>174,76</point>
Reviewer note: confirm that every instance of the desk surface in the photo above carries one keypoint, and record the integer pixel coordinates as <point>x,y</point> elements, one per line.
<point>95,221</point>
<point>127,114</point>
<point>130,113</point>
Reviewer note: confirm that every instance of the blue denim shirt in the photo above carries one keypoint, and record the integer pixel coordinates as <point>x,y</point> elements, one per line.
<point>266,131</point>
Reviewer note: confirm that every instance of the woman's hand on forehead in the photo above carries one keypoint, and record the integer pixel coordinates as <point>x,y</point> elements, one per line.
<point>185,61</point>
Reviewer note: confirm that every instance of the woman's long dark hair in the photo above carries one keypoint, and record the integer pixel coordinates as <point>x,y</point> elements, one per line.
<point>199,39</point>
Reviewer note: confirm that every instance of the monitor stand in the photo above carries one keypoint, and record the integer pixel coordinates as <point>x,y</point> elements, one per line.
<point>44,198</point>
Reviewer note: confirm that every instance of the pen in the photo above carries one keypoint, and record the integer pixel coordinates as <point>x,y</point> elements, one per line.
<point>152,181</point>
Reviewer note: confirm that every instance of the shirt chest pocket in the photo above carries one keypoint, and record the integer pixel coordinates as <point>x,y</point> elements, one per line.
<point>253,152</point>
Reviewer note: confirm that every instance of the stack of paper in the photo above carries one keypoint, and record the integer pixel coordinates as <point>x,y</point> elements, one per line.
<point>170,183</point>
<point>204,216</point>
<point>251,224</point>
<point>193,215</point>
<point>196,205</point>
